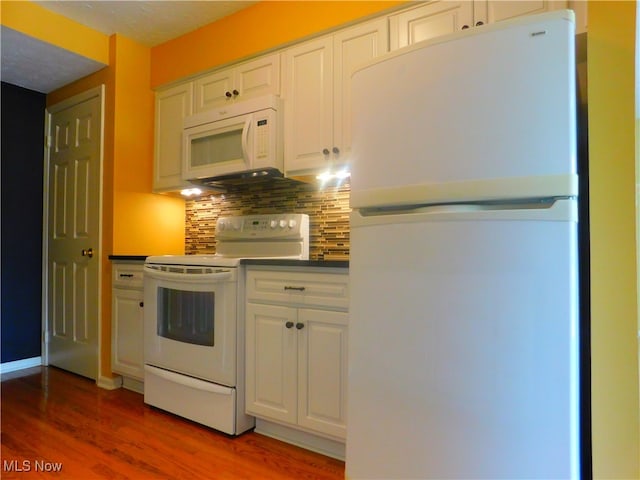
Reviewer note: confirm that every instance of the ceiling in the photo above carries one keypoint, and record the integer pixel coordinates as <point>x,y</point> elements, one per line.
<point>40,66</point>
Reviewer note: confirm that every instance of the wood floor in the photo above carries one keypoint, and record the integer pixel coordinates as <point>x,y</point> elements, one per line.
<point>52,419</point>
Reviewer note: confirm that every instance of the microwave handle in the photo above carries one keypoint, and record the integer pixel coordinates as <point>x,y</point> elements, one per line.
<point>245,140</point>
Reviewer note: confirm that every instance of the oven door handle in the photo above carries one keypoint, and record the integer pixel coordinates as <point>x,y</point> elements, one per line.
<point>188,381</point>
<point>188,277</point>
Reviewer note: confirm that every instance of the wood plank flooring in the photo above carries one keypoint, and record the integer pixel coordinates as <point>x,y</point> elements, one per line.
<point>52,419</point>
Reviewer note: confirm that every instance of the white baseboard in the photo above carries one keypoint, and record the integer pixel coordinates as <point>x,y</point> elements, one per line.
<point>109,383</point>
<point>133,385</point>
<point>325,446</point>
<point>7,367</point>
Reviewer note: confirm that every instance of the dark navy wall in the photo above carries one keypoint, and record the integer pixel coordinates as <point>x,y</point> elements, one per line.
<point>22,153</point>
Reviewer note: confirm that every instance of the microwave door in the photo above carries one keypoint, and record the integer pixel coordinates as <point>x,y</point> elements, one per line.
<point>217,148</point>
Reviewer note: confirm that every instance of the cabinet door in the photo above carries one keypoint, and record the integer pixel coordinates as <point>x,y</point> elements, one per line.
<point>172,106</point>
<point>308,93</point>
<point>271,368</point>
<point>213,90</point>
<point>429,21</point>
<point>127,333</point>
<point>352,48</point>
<point>258,77</point>
<point>495,11</point>
<point>322,368</point>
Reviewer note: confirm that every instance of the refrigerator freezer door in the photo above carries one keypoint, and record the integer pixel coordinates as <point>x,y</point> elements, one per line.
<point>463,345</point>
<point>483,114</point>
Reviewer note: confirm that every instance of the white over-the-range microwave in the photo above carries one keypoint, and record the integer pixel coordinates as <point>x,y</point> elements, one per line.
<point>239,138</point>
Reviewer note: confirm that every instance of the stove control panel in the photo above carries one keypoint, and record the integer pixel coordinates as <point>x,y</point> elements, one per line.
<point>270,226</point>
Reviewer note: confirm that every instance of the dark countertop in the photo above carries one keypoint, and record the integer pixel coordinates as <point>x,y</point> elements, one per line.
<point>273,262</point>
<point>276,262</point>
<point>139,258</point>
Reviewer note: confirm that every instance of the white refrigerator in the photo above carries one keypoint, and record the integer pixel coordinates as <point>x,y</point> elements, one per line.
<point>463,336</point>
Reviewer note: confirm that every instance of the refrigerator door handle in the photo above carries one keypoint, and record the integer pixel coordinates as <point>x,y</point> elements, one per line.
<point>551,209</point>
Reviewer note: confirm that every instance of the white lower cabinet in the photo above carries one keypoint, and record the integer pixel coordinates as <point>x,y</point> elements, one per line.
<point>127,324</point>
<point>296,371</point>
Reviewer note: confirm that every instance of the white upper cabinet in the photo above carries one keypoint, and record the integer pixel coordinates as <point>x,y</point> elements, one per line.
<point>308,95</point>
<point>316,89</point>
<point>351,48</point>
<point>434,19</point>
<point>245,80</point>
<point>316,82</point>
<point>429,20</point>
<point>496,11</point>
<point>172,106</point>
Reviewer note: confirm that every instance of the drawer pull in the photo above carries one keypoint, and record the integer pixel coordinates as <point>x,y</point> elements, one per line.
<point>126,275</point>
<point>298,289</point>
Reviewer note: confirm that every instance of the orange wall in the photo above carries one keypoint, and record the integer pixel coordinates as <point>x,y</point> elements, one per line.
<point>143,223</point>
<point>264,26</point>
<point>40,23</point>
<point>613,217</point>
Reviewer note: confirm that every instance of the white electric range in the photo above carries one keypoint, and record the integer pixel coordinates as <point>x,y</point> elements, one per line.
<point>194,310</point>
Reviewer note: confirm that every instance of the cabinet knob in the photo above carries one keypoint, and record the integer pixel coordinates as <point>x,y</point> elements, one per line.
<point>325,151</point>
<point>479,23</point>
<point>228,94</point>
<point>141,304</point>
<point>288,324</point>
<point>464,27</point>
<point>236,93</point>
<point>299,326</point>
<point>335,150</point>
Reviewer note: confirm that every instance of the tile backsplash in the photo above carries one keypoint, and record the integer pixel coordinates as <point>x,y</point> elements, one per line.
<point>328,210</point>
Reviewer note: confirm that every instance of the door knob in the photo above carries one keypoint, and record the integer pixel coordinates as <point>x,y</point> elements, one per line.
<point>87,252</point>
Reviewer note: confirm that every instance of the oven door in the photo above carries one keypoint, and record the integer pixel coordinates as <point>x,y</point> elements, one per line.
<point>190,321</point>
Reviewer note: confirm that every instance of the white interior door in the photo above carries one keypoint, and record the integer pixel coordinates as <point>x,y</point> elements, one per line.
<point>73,233</point>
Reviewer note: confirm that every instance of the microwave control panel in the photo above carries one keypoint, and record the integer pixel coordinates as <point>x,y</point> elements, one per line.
<point>262,137</point>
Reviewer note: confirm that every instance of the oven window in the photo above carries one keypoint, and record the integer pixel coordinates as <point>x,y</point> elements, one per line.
<point>186,316</point>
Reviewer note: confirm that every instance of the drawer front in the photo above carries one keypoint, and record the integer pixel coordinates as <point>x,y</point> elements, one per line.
<point>127,275</point>
<point>301,289</point>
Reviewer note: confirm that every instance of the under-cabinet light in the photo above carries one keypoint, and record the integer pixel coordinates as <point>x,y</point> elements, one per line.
<point>191,192</point>
<point>326,176</point>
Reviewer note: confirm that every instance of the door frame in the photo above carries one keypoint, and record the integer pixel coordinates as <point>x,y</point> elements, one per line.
<point>99,92</point>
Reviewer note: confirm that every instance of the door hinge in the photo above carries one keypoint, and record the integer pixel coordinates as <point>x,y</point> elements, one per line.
<point>48,140</point>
